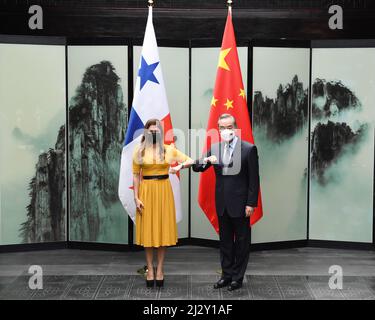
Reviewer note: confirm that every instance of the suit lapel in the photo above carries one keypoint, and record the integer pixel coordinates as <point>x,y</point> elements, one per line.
<point>236,155</point>
<point>221,153</point>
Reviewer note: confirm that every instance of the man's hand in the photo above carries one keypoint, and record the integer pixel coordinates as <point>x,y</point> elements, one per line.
<point>211,159</point>
<point>249,211</point>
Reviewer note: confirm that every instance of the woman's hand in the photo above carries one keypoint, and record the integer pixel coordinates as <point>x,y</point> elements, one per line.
<point>175,169</point>
<point>139,205</point>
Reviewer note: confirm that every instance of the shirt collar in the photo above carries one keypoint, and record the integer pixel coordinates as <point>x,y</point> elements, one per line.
<point>232,144</point>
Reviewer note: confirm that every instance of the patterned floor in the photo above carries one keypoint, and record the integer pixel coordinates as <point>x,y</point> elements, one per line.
<point>185,287</point>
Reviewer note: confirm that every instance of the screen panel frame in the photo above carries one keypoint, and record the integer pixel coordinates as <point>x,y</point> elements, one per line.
<point>190,44</point>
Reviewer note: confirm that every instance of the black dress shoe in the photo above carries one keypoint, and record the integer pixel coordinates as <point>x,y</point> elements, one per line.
<point>150,283</point>
<point>234,285</point>
<point>160,283</point>
<point>222,283</point>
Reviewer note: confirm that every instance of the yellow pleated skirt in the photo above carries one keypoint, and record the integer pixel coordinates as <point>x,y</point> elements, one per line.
<point>156,225</point>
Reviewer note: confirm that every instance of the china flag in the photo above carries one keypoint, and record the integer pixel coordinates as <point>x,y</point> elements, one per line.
<point>228,97</point>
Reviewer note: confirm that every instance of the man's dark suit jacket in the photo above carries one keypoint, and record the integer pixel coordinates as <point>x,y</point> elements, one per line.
<point>239,187</point>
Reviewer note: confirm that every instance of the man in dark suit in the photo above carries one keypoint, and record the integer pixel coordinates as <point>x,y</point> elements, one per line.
<point>237,186</point>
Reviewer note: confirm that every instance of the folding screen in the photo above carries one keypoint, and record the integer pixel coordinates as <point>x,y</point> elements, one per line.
<point>280,126</point>
<point>342,144</point>
<point>32,143</point>
<point>32,140</point>
<point>97,113</point>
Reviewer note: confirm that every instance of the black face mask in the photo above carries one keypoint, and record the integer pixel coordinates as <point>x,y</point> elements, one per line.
<point>155,136</point>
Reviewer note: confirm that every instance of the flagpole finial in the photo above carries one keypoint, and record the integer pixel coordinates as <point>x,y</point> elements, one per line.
<point>150,3</point>
<point>229,4</point>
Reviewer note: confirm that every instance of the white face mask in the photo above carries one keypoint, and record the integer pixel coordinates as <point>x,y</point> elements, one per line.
<point>227,134</point>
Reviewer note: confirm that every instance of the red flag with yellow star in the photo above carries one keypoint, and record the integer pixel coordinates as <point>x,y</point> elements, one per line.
<point>228,97</point>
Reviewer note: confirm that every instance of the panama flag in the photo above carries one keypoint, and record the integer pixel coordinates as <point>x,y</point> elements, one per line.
<point>150,101</point>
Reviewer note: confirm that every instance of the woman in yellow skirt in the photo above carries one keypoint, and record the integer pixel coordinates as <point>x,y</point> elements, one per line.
<point>153,195</point>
